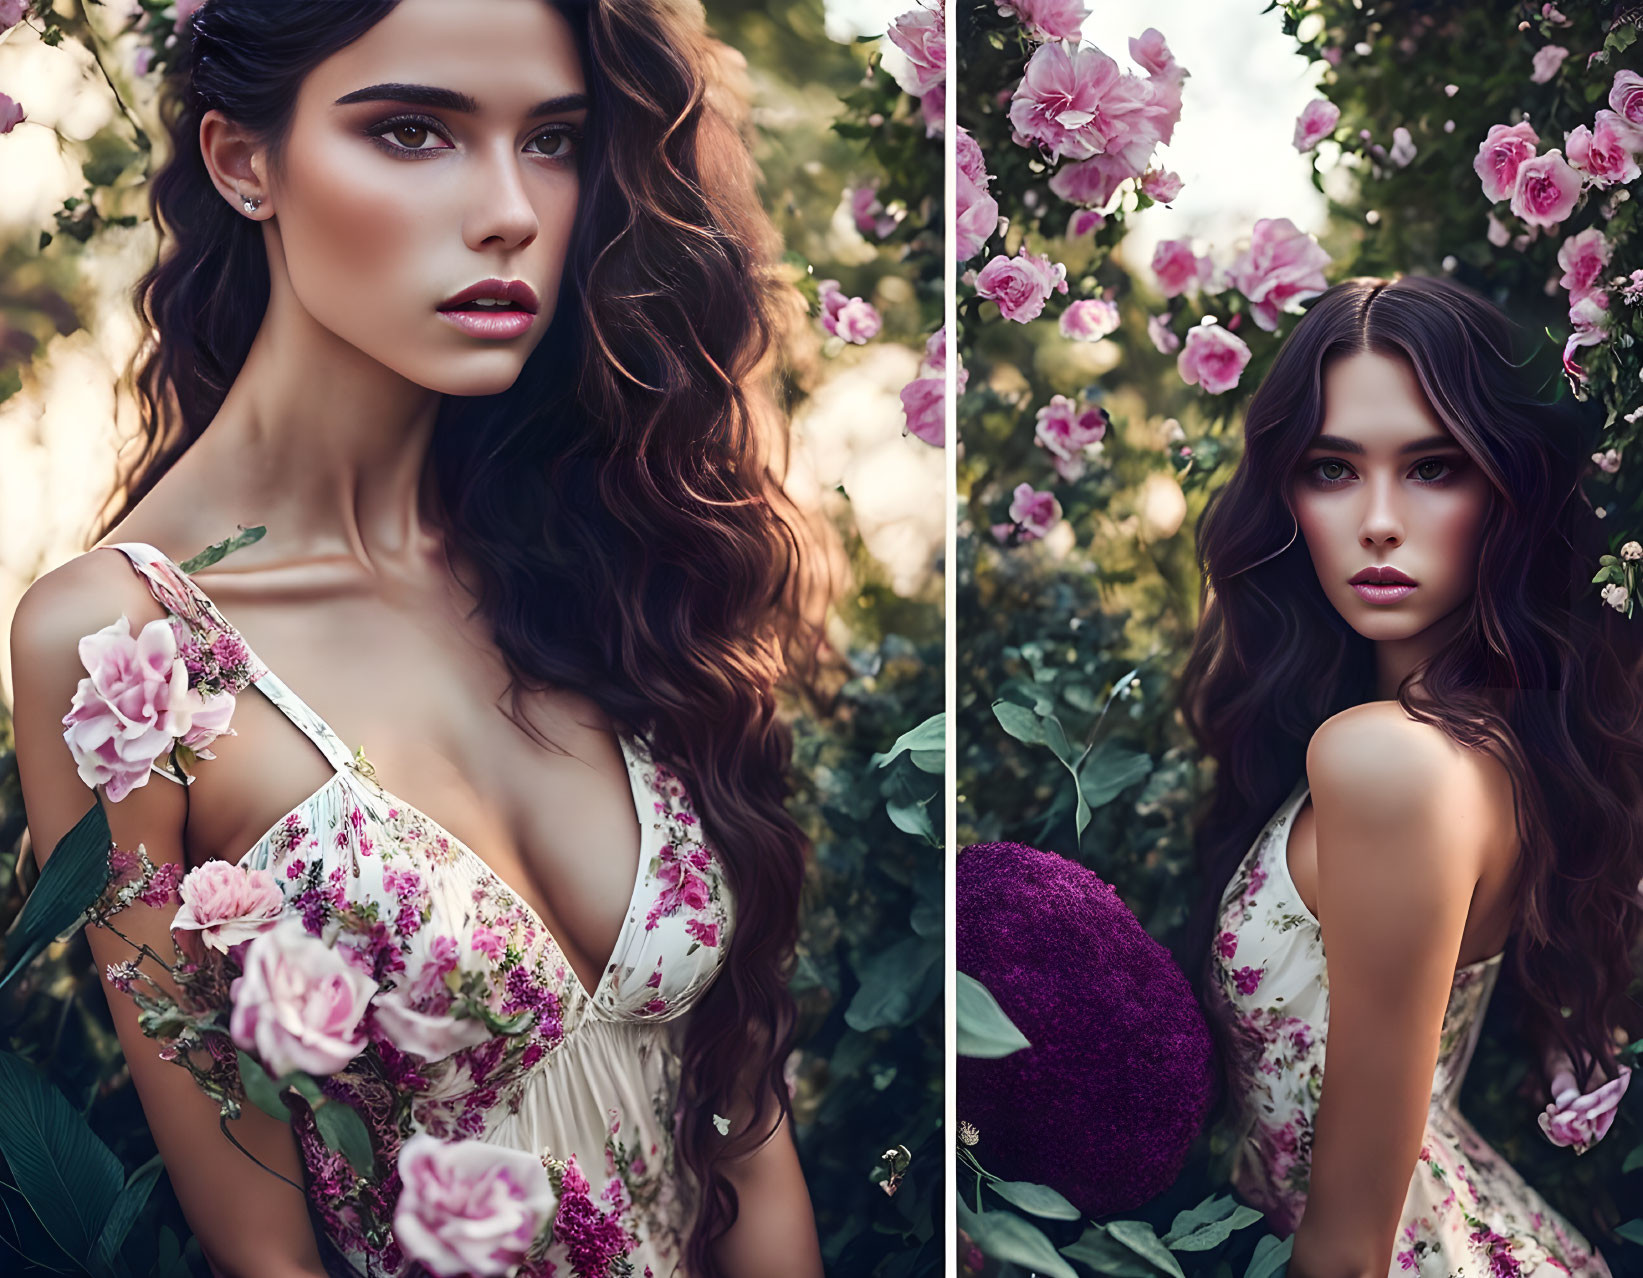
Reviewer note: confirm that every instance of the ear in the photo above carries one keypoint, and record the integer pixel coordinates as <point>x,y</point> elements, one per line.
<point>237,163</point>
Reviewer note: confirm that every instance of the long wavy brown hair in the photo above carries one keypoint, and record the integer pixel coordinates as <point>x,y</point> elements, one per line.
<point>622,501</point>
<point>1542,671</point>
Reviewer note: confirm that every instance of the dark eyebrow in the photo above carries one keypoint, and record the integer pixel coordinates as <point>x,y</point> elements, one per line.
<point>1340,445</point>
<point>453,100</point>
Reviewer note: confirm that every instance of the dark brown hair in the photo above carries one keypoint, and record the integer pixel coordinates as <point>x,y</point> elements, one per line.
<point>622,500</point>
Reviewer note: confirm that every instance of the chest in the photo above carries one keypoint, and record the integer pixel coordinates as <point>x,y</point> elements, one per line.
<point>423,691</point>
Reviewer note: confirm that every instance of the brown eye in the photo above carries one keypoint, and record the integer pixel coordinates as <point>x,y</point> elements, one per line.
<point>410,134</point>
<point>1331,471</point>
<point>1443,469</point>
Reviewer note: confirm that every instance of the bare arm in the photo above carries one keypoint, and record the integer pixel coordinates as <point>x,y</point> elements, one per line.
<point>1398,860</point>
<point>247,1221</point>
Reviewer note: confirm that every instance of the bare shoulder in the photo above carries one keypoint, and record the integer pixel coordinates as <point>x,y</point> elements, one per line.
<point>1408,787</point>
<point>78,597</point>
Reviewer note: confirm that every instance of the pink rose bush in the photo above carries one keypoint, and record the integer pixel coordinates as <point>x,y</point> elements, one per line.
<point>1212,358</point>
<point>1032,515</point>
<point>1583,258</point>
<point>1021,284</point>
<point>470,1207</point>
<point>1577,1119</point>
<point>1546,189</point>
<point>1606,153</point>
<point>1089,319</point>
<point>1069,431</point>
<point>1500,156</point>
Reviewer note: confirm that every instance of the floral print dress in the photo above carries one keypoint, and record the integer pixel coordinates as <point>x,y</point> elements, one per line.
<point>587,1077</point>
<point>1468,1214</point>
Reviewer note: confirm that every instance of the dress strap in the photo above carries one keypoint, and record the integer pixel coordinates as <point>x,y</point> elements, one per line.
<point>182,596</point>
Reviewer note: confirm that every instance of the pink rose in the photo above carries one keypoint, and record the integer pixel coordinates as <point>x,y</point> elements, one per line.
<point>977,211</point>
<point>1316,122</point>
<point>935,358</point>
<point>1281,266</point>
<point>1626,97</point>
<point>1604,153</point>
<point>1153,56</point>
<point>431,1034</point>
<point>1500,155</point>
<point>1582,1120</point>
<point>1546,189</point>
<point>1588,319</point>
<point>1021,284</point>
<point>227,904</point>
<point>1034,512</point>
<point>1583,258</point>
<point>1163,337</point>
<point>1047,19</point>
<point>1547,61</point>
<point>1161,185</point>
<point>1065,430</point>
<point>1083,221</point>
<point>1077,103</point>
<point>1212,358</point>
<point>132,704</point>
<point>867,210</point>
<point>924,401</point>
<point>1089,319</point>
<point>1178,268</point>
<point>852,318</point>
<point>919,34</point>
<point>11,13</point>
<point>932,109</point>
<point>1093,181</point>
<point>470,1206</point>
<point>301,1004</point>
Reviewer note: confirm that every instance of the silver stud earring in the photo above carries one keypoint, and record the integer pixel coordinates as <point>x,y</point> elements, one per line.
<point>251,203</point>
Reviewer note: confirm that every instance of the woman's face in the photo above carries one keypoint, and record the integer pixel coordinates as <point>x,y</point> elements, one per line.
<point>437,151</point>
<point>1384,485</point>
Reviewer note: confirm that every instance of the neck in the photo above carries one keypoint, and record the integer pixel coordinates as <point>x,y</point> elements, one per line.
<point>1396,658</point>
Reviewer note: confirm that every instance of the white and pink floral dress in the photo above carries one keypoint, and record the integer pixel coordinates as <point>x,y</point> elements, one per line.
<point>592,1078</point>
<point>1468,1214</point>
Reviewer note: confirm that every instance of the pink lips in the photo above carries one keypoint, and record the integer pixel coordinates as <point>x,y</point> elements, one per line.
<point>495,323</point>
<point>1382,584</point>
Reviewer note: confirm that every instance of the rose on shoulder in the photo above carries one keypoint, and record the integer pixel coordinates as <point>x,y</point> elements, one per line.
<point>1580,1119</point>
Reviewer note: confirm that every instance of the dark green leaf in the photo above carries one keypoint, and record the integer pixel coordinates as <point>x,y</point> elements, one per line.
<point>1005,1236</point>
<point>127,1207</point>
<point>1020,722</point>
<point>1271,1257</point>
<point>260,1089</point>
<point>69,1177</point>
<point>345,1131</point>
<point>1110,769</point>
<point>931,735</point>
<point>1106,1255</point>
<point>217,549</point>
<point>890,984</point>
<point>1038,1200</point>
<point>1140,1238</point>
<point>983,1027</point>
<point>73,878</point>
<point>1209,1224</point>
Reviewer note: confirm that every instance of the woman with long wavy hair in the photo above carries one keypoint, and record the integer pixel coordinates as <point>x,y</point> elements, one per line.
<point>468,307</point>
<point>1426,730</point>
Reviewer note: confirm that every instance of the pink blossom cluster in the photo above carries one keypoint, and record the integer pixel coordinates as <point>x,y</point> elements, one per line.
<point>976,210</point>
<point>1070,431</point>
<point>1544,187</point>
<point>1282,266</point>
<point>921,35</point>
<point>1047,19</point>
<point>1076,105</point>
<point>854,319</point>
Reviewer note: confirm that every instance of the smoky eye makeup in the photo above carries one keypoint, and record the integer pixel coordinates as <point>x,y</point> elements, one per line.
<point>567,138</point>
<point>1433,472</point>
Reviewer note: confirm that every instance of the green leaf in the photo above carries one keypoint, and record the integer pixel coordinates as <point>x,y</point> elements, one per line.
<point>1106,1255</point>
<point>1271,1257</point>
<point>930,737</point>
<point>1020,722</point>
<point>913,817</point>
<point>260,1088</point>
<point>1039,1200</point>
<point>984,1030</point>
<point>890,984</point>
<point>344,1131</point>
<point>1209,1224</point>
<point>217,549</point>
<point>1634,1160</point>
<point>73,878</point>
<point>1632,1230</point>
<point>1110,769</point>
<point>68,1176</point>
<point>127,1207</point>
<point>1005,1236</point>
<point>1140,1238</point>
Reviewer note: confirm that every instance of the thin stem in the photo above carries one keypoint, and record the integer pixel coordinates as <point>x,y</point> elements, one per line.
<point>222,1122</point>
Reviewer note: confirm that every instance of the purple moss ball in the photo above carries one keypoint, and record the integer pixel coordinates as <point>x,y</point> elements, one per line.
<point>1108,1099</point>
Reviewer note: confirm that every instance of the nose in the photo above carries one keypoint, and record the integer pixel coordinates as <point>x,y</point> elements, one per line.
<point>500,212</point>
<point>1382,523</point>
